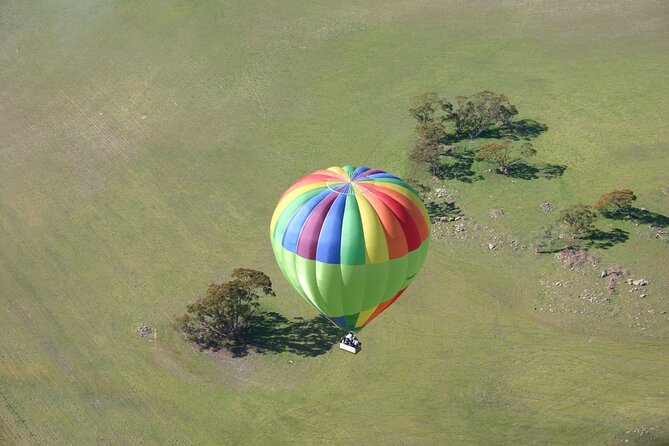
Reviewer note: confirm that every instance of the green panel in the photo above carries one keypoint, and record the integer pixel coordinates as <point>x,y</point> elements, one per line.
<point>330,285</point>
<point>376,276</point>
<point>352,238</point>
<point>416,258</point>
<point>341,290</point>
<point>286,261</point>
<point>354,279</point>
<point>306,273</point>
<point>396,280</point>
<point>351,319</point>
<point>349,170</point>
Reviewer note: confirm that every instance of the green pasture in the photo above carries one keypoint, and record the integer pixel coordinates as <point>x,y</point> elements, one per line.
<point>143,146</point>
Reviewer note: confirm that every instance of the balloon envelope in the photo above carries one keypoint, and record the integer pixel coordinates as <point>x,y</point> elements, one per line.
<point>350,240</point>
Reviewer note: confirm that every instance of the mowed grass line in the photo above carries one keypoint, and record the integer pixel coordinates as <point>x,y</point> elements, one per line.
<point>209,112</point>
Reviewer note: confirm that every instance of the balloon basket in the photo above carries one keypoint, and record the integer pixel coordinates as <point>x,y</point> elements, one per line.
<point>349,348</point>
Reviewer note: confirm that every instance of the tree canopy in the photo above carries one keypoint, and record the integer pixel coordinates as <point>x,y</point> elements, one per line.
<point>578,219</point>
<point>472,115</point>
<point>616,201</point>
<point>429,144</point>
<point>424,105</point>
<point>226,310</point>
<point>504,155</point>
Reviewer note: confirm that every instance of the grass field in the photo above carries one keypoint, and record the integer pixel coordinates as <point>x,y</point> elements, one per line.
<point>143,146</point>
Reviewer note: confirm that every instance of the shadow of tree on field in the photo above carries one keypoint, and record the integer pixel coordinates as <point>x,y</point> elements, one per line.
<point>271,332</point>
<point>642,216</point>
<point>460,168</point>
<point>524,129</point>
<point>604,240</point>
<point>524,171</point>
<point>551,171</point>
<point>440,211</point>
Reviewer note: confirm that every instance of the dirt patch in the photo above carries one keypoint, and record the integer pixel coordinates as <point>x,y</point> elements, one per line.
<point>612,275</point>
<point>573,258</point>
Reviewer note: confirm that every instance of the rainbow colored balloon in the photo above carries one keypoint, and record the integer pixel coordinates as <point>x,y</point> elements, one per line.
<point>350,241</point>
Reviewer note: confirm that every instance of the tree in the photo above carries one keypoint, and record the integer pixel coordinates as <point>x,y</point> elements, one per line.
<point>579,219</point>
<point>428,146</point>
<point>472,115</point>
<point>424,108</point>
<point>226,310</point>
<point>615,202</point>
<point>504,155</point>
<point>422,151</point>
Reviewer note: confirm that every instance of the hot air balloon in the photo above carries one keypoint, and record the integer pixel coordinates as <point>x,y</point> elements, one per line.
<point>350,241</point>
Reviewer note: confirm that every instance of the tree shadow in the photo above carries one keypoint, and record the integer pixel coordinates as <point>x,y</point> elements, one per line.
<point>524,171</point>
<point>442,211</point>
<point>460,168</point>
<point>551,171</point>
<point>271,332</point>
<point>605,240</point>
<point>642,216</point>
<point>525,129</point>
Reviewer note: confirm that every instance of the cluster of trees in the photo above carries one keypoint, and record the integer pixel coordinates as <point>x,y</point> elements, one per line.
<point>579,219</point>
<point>227,310</point>
<point>577,222</point>
<point>440,120</point>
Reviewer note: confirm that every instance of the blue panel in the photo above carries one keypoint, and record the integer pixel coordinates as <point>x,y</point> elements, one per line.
<point>340,321</point>
<point>358,171</point>
<point>329,241</point>
<point>292,233</point>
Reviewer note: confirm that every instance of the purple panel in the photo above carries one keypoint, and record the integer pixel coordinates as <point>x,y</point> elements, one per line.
<point>307,244</point>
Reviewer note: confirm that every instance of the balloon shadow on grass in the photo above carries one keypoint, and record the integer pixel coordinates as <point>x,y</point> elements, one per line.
<point>271,332</point>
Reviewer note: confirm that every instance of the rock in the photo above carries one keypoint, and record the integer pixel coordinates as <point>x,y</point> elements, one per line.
<point>640,282</point>
<point>496,213</point>
<point>643,295</point>
<point>492,246</point>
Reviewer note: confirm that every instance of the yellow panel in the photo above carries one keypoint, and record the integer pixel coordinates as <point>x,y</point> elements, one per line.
<point>363,316</point>
<point>338,170</point>
<point>376,246</point>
